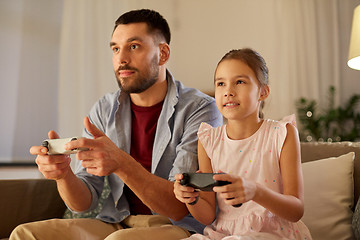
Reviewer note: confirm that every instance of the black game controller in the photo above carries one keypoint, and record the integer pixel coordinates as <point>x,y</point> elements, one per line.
<point>202,182</point>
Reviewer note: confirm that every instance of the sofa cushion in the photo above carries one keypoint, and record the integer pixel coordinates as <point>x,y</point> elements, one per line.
<point>329,197</point>
<point>311,151</point>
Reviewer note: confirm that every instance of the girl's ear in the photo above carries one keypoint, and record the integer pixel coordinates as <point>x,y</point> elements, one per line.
<point>264,92</point>
<point>164,53</point>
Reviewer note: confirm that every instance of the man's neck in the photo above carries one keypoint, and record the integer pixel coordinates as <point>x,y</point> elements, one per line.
<point>153,95</point>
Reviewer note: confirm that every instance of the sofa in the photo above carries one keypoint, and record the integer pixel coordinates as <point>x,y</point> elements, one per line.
<point>331,179</point>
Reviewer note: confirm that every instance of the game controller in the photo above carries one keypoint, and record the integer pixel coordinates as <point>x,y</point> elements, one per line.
<point>57,146</point>
<point>202,182</point>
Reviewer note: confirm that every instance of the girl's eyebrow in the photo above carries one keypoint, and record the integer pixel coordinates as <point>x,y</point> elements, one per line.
<point>237,76</point>
<point>242,76</point>
<point>218,79</point>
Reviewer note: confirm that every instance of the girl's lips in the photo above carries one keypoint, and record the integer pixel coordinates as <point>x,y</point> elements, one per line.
<point>231,104</point>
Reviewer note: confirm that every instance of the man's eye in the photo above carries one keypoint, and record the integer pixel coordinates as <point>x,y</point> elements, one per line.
<point>134,46</point>
<point>115,49</point>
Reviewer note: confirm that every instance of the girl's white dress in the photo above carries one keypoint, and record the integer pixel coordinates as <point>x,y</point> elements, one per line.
<point>255,158</point>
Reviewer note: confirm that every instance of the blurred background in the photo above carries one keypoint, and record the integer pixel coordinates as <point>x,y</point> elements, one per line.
<point>55,60</point>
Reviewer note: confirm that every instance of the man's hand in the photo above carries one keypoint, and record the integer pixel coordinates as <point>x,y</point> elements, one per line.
<point>51,166</point>
<point>103,156</point>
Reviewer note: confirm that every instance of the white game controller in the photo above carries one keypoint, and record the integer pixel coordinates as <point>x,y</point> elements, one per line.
<point>57,146</point>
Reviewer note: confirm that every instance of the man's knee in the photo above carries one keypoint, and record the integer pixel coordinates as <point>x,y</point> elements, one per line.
<point>80,229</point>
<point>47,229</point>
<point>169,232</point>
<point>22,231</point>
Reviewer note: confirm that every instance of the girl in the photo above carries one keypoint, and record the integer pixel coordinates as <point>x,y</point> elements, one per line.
<point>261,159</point>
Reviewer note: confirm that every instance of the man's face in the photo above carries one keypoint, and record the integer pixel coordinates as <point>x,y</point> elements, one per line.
<point>135,57</point>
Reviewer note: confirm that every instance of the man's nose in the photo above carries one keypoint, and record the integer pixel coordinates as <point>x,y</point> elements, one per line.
<point>123,58</point>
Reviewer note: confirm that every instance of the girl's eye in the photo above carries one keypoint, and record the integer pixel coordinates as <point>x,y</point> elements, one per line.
<point>219,84</point>
<point>239,82</point>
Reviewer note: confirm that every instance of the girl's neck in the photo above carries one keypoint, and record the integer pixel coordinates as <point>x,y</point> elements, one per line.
<point>242,129</point>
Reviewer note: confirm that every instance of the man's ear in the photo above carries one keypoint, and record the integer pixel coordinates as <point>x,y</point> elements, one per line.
<point>164,53</point>
<point>264,92</point>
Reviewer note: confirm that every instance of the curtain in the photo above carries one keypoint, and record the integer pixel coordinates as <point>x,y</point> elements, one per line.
<point>304,42</point>
<point>312,53</point>
<point>85,60</point>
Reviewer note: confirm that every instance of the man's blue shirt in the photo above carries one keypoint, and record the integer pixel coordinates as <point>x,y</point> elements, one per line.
<point>174,149</point>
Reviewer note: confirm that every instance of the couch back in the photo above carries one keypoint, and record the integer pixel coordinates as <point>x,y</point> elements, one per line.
<point>319,150</point>
<point>27,200</point>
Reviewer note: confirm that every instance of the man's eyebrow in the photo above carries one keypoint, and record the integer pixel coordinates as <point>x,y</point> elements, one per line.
<point>135,39</point>
<point>132,39</point>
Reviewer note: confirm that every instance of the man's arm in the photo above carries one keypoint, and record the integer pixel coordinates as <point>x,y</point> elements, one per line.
<point>155,192</point>
<point>72,190</point>
<point>104,158</point>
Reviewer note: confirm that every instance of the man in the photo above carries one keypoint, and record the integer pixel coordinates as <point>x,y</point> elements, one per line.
<point>139,137</point>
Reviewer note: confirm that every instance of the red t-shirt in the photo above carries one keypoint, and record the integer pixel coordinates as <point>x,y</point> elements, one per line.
<point>144,122</point>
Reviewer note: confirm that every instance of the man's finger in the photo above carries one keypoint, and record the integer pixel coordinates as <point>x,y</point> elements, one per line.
<point>92,129</point>
<point>53,135</point>
<point>38,150</point>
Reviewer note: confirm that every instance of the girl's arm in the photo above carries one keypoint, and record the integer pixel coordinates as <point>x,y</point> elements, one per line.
<point>205,209</point>
<point>289,205</point>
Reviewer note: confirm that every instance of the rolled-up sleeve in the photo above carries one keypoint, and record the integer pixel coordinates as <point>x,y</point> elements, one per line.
<point>186,151</point>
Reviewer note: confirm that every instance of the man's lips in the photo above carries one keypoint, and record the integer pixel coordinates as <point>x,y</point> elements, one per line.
<point>126,73</point>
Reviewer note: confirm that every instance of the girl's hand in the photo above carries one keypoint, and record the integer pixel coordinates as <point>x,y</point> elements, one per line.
<point>182,193</point>
<point>239,191</point>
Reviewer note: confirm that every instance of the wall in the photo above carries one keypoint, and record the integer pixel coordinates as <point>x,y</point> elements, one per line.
<point>29,53</point>
<point>238,24</point>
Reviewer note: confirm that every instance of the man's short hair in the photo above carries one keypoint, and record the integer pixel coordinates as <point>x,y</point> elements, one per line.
<point>155,22</point>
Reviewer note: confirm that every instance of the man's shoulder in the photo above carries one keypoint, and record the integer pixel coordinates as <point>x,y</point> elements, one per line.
<point>107,102</point>
<point>109,98</point>
<point>188,95</point>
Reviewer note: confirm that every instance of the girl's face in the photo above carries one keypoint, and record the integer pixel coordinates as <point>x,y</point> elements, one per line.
<point>237,91</point>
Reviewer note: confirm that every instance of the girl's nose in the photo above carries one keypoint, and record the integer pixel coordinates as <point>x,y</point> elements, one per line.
<point>229,93</point>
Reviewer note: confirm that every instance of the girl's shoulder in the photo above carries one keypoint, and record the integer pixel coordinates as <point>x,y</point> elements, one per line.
<point>291,119</point>
<point>204,127</point>
<point>207,128</point>
<point>209,134</point>
<point>277,130</point>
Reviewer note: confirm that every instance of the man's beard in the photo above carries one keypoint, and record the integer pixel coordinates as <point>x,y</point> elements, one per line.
<point>141,83</point>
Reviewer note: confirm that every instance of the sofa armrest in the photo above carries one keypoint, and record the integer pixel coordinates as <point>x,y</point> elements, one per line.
<point>27,200</point>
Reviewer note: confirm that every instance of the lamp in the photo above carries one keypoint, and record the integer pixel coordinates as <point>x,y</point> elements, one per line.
<point>354,50</point>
